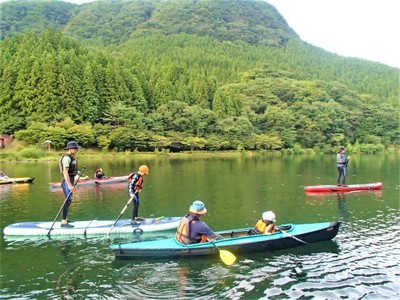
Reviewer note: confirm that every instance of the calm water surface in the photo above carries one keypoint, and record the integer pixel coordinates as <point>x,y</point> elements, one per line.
<point>362,262</point>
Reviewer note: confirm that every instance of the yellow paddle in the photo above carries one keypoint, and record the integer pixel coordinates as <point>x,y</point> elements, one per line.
<point>227,257</point>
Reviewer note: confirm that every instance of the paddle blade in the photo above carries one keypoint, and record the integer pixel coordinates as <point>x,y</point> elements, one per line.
<point>227,257</point>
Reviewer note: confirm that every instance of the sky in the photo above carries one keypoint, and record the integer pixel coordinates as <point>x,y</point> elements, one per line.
<point>366,29</point>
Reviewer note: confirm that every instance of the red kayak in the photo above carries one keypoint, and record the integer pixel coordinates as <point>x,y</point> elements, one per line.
<point>93,182</point>
<point>343,188</point>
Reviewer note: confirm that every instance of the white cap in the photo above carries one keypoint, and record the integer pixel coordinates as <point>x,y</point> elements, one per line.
<point>269,216</point>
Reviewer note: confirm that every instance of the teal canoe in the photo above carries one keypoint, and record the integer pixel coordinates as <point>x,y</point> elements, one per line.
<point>238,241</point>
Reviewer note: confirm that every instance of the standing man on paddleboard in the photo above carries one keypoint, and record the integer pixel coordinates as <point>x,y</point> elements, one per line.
<point>68,168</point>
<point>342,162</point>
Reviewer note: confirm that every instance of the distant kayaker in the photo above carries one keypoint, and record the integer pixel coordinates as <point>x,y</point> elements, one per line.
<point>81,177</point>
<point>134,188</point>
<point>266,225</point>
<point>68,168</point>
<point>3,175</point>
<point>191,230</point>
<point>342,162</point>
<point>99,174</point>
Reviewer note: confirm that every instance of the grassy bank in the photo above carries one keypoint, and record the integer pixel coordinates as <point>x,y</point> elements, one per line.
<point>17,151</point>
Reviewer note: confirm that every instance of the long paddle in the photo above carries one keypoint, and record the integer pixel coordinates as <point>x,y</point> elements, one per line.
<point>347,161</point>
<point>84,232</point>
<point>122,212</point>
<point>345,166</point>
<point>227,257</point>
<point>293,237</point>
<point>65,201</point>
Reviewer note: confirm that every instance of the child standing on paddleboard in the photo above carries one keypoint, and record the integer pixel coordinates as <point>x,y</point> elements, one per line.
<point>134,188</point>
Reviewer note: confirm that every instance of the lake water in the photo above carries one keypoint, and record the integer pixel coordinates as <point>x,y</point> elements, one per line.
<point>362,262</point>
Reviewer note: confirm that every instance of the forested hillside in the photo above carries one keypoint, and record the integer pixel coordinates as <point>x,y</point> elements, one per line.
<point>19,16</point>
<point>206,74</point>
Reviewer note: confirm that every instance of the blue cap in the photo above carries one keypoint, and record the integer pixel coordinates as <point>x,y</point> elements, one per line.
<point>198,208</point>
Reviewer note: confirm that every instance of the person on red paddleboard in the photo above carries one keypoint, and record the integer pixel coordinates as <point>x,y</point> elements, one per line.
<point>342,162</point>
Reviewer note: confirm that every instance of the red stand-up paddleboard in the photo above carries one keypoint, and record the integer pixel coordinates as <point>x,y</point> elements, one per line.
<point>343,188</point>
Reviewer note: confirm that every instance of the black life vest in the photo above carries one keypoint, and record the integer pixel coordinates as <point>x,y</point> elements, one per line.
<point>73,167</point>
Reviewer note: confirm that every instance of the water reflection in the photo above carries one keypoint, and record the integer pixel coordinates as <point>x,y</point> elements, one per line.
<point>342,207</point>
<point>323,199</point>
<point>361,262</point>
<point>4,189</point>
<point>185,279</point>
<point>104,190</point>
<point>69,280</point>
<point>18,190</point>
<point>212,279</point>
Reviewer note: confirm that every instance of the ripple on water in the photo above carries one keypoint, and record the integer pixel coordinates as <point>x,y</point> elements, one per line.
<point>366,266</point>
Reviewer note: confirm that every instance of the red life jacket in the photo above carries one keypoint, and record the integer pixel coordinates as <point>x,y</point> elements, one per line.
<point>137,186</point>
<point>138,183</point>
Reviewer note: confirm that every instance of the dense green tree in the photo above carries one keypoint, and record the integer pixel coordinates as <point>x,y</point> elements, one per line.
<point>90,101</point>
<point>148,75</point>
<point>194,142</point>
<point>38,15</point>
<point>279,122</point>
<point>159,142</point>
<point>227,102</point>
<point>265,142</point>
<point>38,133</point>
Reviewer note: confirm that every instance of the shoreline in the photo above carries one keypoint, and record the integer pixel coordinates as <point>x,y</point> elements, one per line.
<point>55,155</point>
<point>18,152</point>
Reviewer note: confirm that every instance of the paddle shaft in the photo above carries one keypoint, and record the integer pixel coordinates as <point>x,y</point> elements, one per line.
<point>84,232</point>
<point>66,199</point>
<point>293,237</point>
<point>122,212</point>
<point>345,166</point>
<point>347,162</point>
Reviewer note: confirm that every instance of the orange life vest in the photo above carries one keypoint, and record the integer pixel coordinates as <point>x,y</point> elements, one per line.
<point>183,231</point>
<point>261,227</point>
